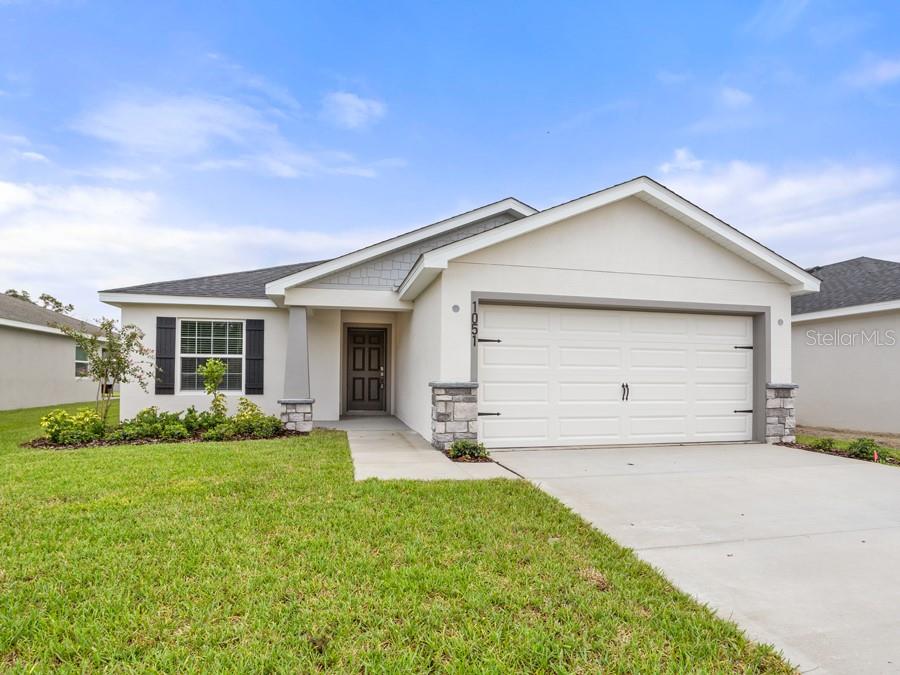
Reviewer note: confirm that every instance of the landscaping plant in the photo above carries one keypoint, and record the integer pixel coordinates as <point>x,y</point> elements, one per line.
<point>863,448</point>
<point>466,448</point>
<point>115,355</point>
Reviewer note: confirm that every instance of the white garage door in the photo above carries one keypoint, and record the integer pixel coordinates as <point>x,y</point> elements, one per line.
<point>556,377</point>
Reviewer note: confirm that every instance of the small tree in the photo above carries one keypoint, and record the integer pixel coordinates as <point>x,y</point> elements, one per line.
<point>213,372</point>
<point>114,355</point>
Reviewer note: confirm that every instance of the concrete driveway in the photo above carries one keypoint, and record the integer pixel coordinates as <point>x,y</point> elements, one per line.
<point>800,549</point>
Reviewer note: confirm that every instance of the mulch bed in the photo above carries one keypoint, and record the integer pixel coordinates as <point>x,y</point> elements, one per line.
<point>469,460</point>
<point>837,452</point>
<point>47,444</point>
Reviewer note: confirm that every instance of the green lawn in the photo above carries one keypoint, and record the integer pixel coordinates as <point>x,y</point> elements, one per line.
<point>266,556</point>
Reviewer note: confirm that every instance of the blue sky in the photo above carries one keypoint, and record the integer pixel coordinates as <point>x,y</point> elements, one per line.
<point>146,141</point>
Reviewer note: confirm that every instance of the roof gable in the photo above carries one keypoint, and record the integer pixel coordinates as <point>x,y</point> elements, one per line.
<point>646,189</point>
<point>513,206</point>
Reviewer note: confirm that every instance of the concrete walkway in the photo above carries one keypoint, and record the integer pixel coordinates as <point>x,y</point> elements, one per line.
<point>383,447</point>
<point>801,549</point>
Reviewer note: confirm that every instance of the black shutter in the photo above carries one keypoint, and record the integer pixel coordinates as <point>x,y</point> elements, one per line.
<point>165,355</point>
<point>253,355</point>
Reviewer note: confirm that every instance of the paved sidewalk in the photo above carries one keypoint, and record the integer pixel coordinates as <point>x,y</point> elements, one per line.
<point>383,447</point>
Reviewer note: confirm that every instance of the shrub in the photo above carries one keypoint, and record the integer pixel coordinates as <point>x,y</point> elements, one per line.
<point>251,421</point>
<point>174,431</point>
<point>823,444</point>
<point>63,428</point>
<point>467,448</point>
<point>222,432</point>
<point>862,448</point>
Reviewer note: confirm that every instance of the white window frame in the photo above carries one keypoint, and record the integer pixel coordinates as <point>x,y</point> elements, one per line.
<point>77,361</point>
<point>242,356</point>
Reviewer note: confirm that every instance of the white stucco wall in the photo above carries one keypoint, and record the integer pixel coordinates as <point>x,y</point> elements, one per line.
<point>628,250</point>
<point>38,369</point>
<point>418,349</point>
<point>846,382</point>
<point>144,316</point>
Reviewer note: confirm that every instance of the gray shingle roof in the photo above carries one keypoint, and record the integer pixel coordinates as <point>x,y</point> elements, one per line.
<point>860,281</point>
<point>23,311</point>
<point>249,284</point>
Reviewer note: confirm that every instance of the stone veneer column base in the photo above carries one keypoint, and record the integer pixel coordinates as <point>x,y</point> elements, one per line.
<point>296,414</point>
<point>454,412</point>
<point>780,420</point>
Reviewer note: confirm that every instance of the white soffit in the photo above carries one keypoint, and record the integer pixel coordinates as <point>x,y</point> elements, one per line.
<point>646,189</point>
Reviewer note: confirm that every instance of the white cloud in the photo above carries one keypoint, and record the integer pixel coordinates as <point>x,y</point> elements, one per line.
<point>671,77</point>
<point>74,240</point>
<point>172,126</point>
<point>732,97</point>
<point>875,73</point>
<point>813,214</point>
<point>351,111</point>
<point>682,160</point>
<point>208,133</point>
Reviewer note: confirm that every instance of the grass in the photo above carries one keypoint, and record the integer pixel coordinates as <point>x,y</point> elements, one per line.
<point>267,556</point>
<point>884,452</point>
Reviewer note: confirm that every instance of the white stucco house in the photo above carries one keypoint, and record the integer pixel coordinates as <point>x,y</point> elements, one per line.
<point>846,347</point>
<point>629,315</point>
<point>39,364</point>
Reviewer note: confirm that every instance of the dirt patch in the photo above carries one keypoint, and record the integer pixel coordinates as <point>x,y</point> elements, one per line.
<point>890,440</point>
<point>470,460</point>
<point>595,577</point>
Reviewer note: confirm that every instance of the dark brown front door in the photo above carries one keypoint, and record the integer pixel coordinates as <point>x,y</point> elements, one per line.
<point>366,368</point>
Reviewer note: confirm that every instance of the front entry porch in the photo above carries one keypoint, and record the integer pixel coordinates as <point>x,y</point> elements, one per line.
<point>384,447</point>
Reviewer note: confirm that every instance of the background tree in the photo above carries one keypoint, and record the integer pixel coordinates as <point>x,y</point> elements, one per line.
<point>115,355</point>
<point>47,301</point>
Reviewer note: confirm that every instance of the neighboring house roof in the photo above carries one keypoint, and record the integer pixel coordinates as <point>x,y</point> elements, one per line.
<point>431,263</point>
<point>249,284</point>
<point>18,313</point>
<point>864,284</point>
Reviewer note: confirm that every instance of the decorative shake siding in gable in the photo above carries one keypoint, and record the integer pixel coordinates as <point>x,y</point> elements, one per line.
<point>389,271</point>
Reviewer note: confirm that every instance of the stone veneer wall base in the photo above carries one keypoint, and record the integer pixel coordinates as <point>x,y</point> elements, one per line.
<point>454,412</point>
<point>297,414</point>
<point>780,419</point>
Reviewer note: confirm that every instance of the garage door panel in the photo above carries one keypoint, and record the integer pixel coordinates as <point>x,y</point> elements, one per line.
<point>723,359</point>
<point>733,427</point>
<point>514,431</point>
<point>590,357</point>
<point>515,392</point>
<point>556,377</point>
<point>589,392</point>
<point>727,329</point>
<point>588,325</point>
<point>517,356</point>
<point>588,429</point>
<point>653,428</point>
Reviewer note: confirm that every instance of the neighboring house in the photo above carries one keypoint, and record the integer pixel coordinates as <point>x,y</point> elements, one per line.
<point>626,316</point>
<point>39,364</point>
<point>847,347</point>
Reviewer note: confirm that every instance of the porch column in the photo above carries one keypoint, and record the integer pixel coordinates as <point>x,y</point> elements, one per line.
<point>296,406</point>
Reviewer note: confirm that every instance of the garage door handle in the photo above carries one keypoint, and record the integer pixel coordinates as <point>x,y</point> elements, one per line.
<point>489,340</point>
<point>623,391</point>
<point>489,414</point>
<point>744,411</point>
<point>627,391</point>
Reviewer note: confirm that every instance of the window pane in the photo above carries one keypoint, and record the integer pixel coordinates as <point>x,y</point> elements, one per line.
<point>80,354</point>
<point>220,337</point>
<point>189,377</point>
<point>81,370</point>
<point>188,345</point>
<point>234,375</point>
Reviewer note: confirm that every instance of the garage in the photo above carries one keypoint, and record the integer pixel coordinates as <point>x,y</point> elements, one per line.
<point>561,376</point>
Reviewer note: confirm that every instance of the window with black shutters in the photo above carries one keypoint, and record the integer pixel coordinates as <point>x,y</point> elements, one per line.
<point>200,341</point>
